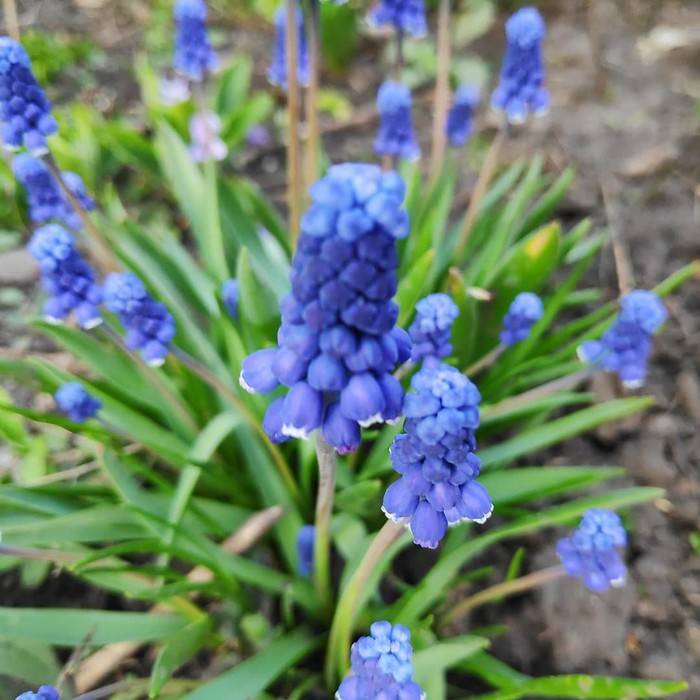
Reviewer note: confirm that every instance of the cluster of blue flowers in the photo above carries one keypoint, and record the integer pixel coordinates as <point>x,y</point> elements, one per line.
<point>149,325</point>
<point>206,145</point>
<point>73,399</point>
<point>525,310</point>
<point>625,347</point>
<point>460,116</point>
<point>591,552</point>
<point>520,89</point>
<point>407,16</point>
<point>45,692</point>
<point>24,110</point>
<point>338,342</point>
<point>194,56</point>
<point>395,136</point>
<point>44,196</point>
<point>306,538</point>
<point>381,666</point>
<point>66,277</point>
<point>277,72</point>
<point>431,329</point>
<point>435,457</point>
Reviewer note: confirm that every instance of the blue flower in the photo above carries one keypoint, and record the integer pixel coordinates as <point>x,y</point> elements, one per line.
<point>525,310</point>
<point>591,552</point>
<point>306,538</point>
<point>338,344</point>
<point>435,457</point>
<point>432,326</point>
<point>73,399</point>
<point>381,666</point>
<point>277,72</point>
<point>66,277</point>
<point>520,88</point>
<point>625,347</point>
<point>150,326</point>
<point>258,136</point>
<point>459,118</point>
<point>194,56</point>
<point>45,692</point>
<point>206,144</point>
<point>231,296</point>
<point>24,109</point>
<point>407,16</point>
<point>44,196</point>
<point>395,136</point>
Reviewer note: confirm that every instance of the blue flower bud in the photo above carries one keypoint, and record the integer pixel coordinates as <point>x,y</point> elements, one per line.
<point>431,329</point>
<point>428,526</point>
<point>339,431</point>
<point>73,400</point>
<point>459,119</point>
<point>407,16</point>
<point>277,72</point>
<point>395,136</point>
<point>231,295</point>
<point>362,399</point>
<point>306,538</point>
<point>194,56</point>
<point>302,411</point>
<point>45,692</point>
<point>272,422</point>
<point>524,312</point>
<point>256,375</point>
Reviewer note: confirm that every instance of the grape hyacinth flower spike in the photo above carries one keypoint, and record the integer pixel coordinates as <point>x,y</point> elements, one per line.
<point>66,277</point>
<point>194,56</point>
<point>45,199</point>
<point>395,136</point>
<point>149,325</point>
<point>277,72</point>
<point>306,538</point>
<point>73,400</point>
<point>25,111</point>
<point>338,342</point>
<point>206,145</point>
<point>45,692</point>
<point>407,16</point>
<point>230,293</point>
<point>625,347</point>
<point>435,457</point>
<point>431,329</point>
<point>381,666</point>
<point>520,89</point>
<point>460,117</point>
<point>591,552</point>
<point>525,310</point>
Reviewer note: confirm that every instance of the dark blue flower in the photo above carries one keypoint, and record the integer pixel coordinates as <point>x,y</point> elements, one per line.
<point>435,457</point>
<point>277,72</point>
<point>73,400</point>
<point>194,56</point>
<point>231,296</point>
<point>459,118</point>
<point>44,196</point>
<point>381,666</point>
<point>306,538</point>
<point>66,277</point>
<point>149,325</point>
<point>338,343</point>
<point>591,552</point>
<point>525,310</point>
<point>45,692</point>
<point>24,109</point>
<point>431,329</point>
<point>395,136</point>
<point>625,347</point>
<point>407,16</point>
<point>520,88</point>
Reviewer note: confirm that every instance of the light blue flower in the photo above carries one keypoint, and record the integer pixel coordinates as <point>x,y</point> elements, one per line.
<point>277,72</point>
<point>431,329</point>
<point>460,116</point>
<point>73,400</point>
<point>525,310</point>
<point>395,136</point>
<point>194,56</point>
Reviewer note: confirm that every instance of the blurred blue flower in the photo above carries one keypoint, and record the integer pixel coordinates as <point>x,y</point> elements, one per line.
<point>45,692</point>
<point>407,16</point>
<point>150,326</point>
<point>459,118</point>
<point>522,75</point>
<point>381,666</point>
<point>525,310</point>
<point>306,538</point>
<point>206,145</point>
<point>231,296</point>
<point>24,109</point>
<point>73,399</point>
<point>277,72</point>
<point>173,91</point>
<point>194,56</point>
<point>338,342</point>
<point>435,457</point>
<point>395,136</point>
<point>44,196</point>
<point>591,552</point>
<point>431,329</point>
<point>625,347</point>
<point>258,136</point>
<point>66,277</point>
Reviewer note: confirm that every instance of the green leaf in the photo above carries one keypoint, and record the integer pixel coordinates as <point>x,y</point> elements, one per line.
<point>437,659</point>
<point>412,286</point>
<point>25,663</point>
<point>257,301</point>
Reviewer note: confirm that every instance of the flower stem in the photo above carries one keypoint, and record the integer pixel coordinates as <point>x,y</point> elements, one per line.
<point>11,21</point>
<point>442,89</point>
<point>482,184</point>
<point>293,149</point>
<point>324,510</point>
<point>347,607</point>
<point>502,590</point>
<point>312,150</point>
<point>486,361</point>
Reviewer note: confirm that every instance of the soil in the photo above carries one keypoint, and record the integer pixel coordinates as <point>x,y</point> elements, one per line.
<point>625,85</point>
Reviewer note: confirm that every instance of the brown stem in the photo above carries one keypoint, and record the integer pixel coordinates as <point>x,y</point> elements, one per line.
<point>11,21</point>
<point>324,510</point>
<point>442,89</point>
<point>312,150</point>
<point>486,361</point>
<point>293,148</point>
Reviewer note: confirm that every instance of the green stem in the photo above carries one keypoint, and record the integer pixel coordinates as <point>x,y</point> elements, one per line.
<point>486,361</point>
<point>324,509</point>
